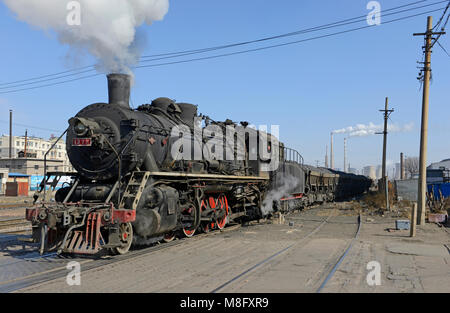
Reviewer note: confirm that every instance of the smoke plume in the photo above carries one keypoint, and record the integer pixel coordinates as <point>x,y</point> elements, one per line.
<point>362,130</point>
<point>107,28</point>
<point>284,183</point>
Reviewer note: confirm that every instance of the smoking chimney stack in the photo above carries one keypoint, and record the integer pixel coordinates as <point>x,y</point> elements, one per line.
<point>119,89</point>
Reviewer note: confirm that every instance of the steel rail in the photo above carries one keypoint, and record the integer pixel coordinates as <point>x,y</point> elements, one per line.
<point>89,264</point>
<point>341,259</point>
<point>273,256</point>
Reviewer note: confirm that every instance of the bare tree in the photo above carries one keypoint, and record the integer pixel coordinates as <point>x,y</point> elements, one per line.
<point>412,166</point>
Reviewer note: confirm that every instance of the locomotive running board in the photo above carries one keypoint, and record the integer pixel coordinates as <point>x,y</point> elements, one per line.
<point>205,176</point>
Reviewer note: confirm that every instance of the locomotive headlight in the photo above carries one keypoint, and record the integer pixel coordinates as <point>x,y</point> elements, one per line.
<point>83,127</point>
<point>79,128</point>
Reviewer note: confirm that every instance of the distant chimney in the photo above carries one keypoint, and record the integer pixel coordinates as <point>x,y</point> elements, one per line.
<point>119,89</point>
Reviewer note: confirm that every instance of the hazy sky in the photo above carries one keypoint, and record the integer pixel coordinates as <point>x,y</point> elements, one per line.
<point>309,89</point>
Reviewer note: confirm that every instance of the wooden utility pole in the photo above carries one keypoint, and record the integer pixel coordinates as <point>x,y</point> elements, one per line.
<point>384,175</point>
<point>421,199</point>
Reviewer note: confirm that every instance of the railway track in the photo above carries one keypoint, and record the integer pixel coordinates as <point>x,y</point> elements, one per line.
<point>14,226</point>
<point>58,269</point>
<point>329,267</point>
<point>9,206</point>
<point>89,263</point>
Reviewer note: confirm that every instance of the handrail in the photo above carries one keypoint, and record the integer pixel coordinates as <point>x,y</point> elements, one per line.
<point>45,161</point>
<point>291,155</point>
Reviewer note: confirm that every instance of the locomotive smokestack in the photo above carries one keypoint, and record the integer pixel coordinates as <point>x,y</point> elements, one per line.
<point>119,89</point>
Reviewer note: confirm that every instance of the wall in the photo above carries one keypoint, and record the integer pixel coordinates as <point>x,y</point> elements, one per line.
<point>407,189</point>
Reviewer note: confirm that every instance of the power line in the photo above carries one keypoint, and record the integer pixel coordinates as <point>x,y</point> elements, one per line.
<point>283,44</point>
<point>442,17</point>
<point>157,57</point>
<point>436,40</point>
<point>32,127</point>
<point>228,54</point>
<point>443,48</point>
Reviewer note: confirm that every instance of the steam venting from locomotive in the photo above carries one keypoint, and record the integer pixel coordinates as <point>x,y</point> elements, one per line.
<point>104,28</point>
<point>286,183</point>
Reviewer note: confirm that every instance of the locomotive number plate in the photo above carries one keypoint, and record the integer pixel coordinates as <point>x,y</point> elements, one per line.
<point>81,142</point>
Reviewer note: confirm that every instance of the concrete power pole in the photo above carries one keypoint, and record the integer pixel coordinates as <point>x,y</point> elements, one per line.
<point>10,134</point>
<point>402,166</point>
<point>384,176</point>
<point>421,199</point>
<point>26,142</point>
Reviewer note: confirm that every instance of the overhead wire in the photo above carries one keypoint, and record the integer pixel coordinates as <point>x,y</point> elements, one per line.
<point>144,58</point>
<point>223,55</point>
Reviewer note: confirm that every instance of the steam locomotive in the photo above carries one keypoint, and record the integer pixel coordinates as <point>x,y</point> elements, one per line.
<point>161,171</point>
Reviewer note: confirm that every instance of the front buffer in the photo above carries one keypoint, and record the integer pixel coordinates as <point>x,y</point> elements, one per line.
<point>81,228</point>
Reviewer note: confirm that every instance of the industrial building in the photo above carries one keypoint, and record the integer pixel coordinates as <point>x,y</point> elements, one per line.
<point>27,155</point>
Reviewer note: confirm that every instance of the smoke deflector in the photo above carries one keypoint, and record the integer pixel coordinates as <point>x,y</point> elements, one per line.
<point>119,89</point>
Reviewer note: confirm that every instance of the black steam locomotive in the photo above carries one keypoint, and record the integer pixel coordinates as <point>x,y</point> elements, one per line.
<point>162,171</point>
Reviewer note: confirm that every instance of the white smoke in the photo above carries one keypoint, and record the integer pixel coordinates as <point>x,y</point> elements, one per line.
<point>107,28</point>
<point>285,183</point>
<point>361,130</point>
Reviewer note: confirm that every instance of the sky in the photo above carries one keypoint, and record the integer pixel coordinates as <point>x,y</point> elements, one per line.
<point>308,89</point>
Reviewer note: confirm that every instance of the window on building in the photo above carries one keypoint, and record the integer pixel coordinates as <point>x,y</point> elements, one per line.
<point>56,168</point>
<point>19,167</point>
<point>59,154</point>
<point>17,143</point>
<point>36,167</point>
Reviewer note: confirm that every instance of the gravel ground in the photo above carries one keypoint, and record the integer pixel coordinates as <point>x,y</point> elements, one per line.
<point>421,264</point>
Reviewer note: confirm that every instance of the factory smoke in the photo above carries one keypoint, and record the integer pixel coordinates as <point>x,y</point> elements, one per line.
<point>107,29</point>
<point>362,130</point>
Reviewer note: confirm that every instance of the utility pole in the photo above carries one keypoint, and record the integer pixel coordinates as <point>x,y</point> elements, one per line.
<point>426,70</point>
<point>402,166</point>
<point>10,134</point>
<point>331,153</point>
<point>26,142</point>
<point>384,176</point>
